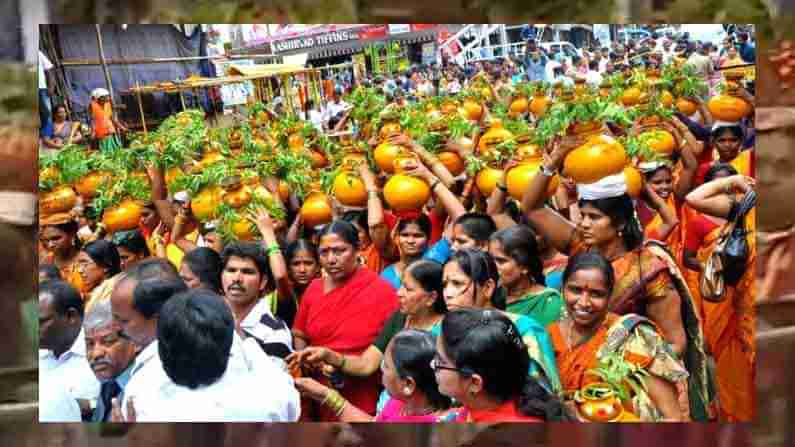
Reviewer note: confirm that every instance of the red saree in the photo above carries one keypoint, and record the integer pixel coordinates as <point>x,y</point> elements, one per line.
<point>507,412</point>
<point>348,320</point>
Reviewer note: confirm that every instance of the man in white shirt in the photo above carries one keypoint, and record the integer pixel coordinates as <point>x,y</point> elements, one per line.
<point>62,357</point>
<point>336,108</point>
<point>135,310</point>
<point>45,105</point>
<point>550,70</point>
<point>245,276</point>
<point>56,404</point>
<point>593,77</point>
<point>314,116</point>
<point>195,339</point>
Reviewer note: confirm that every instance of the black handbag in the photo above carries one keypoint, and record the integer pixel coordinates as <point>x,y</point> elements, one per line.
<point>729,262</point>
<point>736,251</point>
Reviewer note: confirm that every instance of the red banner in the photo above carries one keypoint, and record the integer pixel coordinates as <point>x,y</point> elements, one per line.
<point>373,32</point>
<point>422,26</point>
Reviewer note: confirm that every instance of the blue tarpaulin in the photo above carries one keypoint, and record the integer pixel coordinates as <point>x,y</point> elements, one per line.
<point>134,42</point>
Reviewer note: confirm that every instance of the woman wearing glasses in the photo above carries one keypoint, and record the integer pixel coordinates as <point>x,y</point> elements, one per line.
<point>482,362</point>
<point>470,281</point>
<point>99,265</point>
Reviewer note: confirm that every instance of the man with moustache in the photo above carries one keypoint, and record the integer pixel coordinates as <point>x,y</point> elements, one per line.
<point>245,277</point>
<point>110,355</point>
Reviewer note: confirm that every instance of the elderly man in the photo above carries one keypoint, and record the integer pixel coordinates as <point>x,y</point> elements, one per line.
<point>62,357</point>
<point>110,355</point>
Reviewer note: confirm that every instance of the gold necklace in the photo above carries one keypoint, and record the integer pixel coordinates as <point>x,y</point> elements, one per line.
<point>570,337</point>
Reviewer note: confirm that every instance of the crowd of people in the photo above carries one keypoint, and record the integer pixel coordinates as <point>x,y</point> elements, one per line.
<point>473,309</point>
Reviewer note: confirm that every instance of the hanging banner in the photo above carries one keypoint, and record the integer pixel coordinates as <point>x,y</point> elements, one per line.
<point>422,26</point>
<point>313,41</point>
<point>399,29</point>
<point>373,32</point>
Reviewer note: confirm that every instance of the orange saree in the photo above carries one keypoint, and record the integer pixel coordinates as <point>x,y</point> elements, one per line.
<point>649,274</point>
<point>636,338</point>
<point>729,328</point>
<point>69,274</point>
<point>574,363</point>
<point>674,239</point>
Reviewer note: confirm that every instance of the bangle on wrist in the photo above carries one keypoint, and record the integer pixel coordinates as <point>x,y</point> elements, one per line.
<point>435,184</point>
<point>546,171</point>
<point>372,194</point>
<point>274,249</point>
<point>335,402</point>
<point>502,187</point>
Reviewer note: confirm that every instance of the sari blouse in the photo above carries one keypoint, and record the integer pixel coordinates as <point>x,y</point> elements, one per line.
<point>347,320</point>
<point>391,413</point>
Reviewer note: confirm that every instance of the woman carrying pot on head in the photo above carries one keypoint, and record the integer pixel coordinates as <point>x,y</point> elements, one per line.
<point>58,236</point>
<point>590,333</point>
<point>728,139</point>
<point>471,344</point>
<point>412,240</point>
<point>650,282</point>
<point>422,307</point>
<point>406,376</point>
<point>660,212</point>
<point>521,276</point>
<point>729,316</point>
<point>470,281</point>
<point>343,311</point>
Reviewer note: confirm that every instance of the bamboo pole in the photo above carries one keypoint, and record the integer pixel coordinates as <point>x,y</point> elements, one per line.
<point>141,108</point>
<point>105,68</point>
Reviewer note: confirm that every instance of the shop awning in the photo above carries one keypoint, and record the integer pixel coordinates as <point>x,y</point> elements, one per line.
<point>355,46</point>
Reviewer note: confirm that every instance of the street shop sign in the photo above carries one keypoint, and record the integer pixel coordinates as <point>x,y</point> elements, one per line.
<point>314,41</point>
